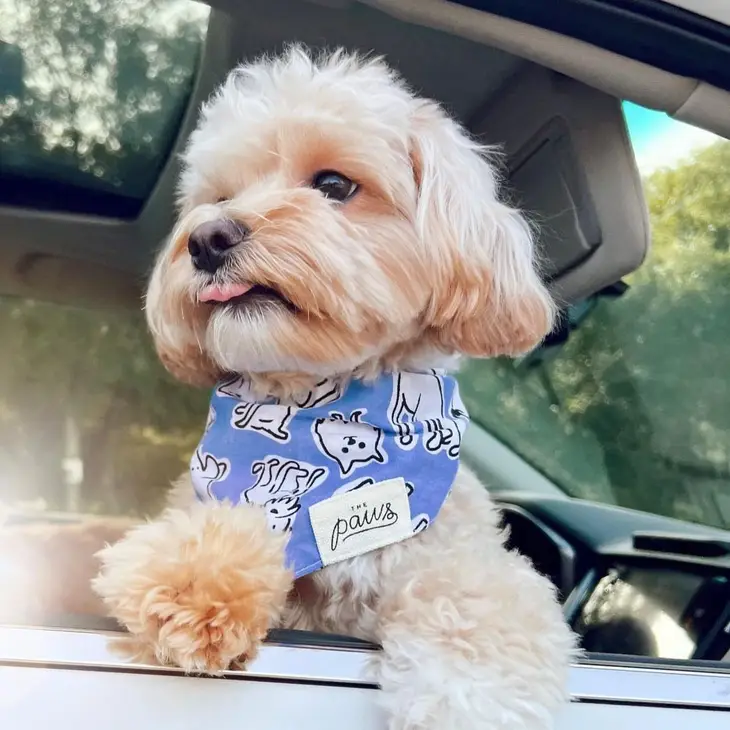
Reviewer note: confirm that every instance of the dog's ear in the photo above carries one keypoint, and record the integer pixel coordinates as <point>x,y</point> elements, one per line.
<point>488,298</point>
<point>177,328</point>
<point>189,365</point>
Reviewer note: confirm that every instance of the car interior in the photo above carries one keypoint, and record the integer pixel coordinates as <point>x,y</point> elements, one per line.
<point>74,234</point>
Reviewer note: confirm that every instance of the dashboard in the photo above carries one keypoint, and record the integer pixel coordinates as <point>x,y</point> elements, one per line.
<point>630,583</point>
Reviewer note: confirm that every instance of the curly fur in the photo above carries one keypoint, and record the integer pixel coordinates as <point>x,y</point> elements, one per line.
<point>424,263</point>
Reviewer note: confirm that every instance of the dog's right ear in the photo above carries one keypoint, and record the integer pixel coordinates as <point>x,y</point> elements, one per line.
<point>177,325</point>
<point>488,298</point>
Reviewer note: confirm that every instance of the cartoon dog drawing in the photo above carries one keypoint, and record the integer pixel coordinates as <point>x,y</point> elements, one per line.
<point>277,477</point>
<point>281,512</point>
<point>416,397</point>
<point>419,397</point>
<point>279,485</point>
<point>324,392</point>
<point>266,418</point>
<point>205,470</point>
<point>349,441</point>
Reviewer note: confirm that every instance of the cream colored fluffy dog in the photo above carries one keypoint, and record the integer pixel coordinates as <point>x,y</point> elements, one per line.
<point>335,228</point>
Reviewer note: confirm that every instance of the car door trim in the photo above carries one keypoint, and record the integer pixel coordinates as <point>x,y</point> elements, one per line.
<point>346,663</point>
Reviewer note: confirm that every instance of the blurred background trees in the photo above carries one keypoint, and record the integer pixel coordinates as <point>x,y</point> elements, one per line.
<point>635,408</point>
<point>92,91</point>
<point>91,96</point>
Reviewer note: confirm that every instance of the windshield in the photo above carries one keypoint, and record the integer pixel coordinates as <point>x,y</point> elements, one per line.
<point>633,410</point>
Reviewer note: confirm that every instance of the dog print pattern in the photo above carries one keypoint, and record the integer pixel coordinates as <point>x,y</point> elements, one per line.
<point>351,442</point>
<point>419,400</point>
<point>324,392</point>
<point>270,420</point>
<point>275,476</point>
<point>205,470</point>
<point>286,456</point>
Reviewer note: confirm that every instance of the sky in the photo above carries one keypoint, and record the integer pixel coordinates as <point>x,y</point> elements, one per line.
<point>659,140</point>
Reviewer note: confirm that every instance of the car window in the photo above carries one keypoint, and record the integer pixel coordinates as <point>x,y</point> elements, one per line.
<point>92,93</point>
<point>92,430</point>
<point>92,433</point>
<point>633,410</point>
<point>90,423</point>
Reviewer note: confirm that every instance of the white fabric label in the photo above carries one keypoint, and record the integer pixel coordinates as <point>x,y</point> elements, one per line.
<point>365,519</point>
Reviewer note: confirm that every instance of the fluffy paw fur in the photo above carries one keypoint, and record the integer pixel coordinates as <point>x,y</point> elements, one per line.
<point>198,589</point>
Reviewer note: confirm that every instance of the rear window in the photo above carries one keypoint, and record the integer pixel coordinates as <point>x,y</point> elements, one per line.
<point>92,94</point>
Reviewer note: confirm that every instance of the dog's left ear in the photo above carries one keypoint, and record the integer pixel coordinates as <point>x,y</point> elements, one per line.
<point>488,298</point>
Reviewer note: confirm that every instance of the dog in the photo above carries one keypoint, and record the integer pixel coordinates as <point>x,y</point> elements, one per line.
<point>335,232</point>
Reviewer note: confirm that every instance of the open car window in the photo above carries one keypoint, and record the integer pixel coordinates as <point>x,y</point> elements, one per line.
<point>92,430</point>
<point>90,422</point>
<point>629,406</point>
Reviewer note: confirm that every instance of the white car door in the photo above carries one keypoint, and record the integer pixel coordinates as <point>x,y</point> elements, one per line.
<point>47,675</point>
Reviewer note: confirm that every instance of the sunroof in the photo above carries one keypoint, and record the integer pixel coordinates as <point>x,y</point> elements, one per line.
<point>92,93</point>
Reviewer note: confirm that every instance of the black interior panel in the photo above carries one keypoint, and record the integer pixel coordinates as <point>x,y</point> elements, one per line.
<point>649,31</point>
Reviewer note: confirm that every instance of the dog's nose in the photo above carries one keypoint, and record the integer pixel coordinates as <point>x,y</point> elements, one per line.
<point>210,243</point>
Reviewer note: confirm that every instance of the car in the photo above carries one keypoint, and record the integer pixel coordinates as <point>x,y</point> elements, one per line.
<point>606,448</point>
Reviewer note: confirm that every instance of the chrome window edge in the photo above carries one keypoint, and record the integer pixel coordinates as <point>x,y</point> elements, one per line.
<point>658,686</point>
<point>590,681</point>
<point>91,650</point>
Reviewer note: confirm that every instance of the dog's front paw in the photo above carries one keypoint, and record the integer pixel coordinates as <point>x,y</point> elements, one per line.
<point>197,589</point>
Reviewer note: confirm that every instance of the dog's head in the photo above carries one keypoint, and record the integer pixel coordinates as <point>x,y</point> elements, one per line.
<point>329,218</point>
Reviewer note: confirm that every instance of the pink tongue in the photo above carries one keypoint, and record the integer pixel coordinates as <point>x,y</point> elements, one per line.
<point>224,293</point>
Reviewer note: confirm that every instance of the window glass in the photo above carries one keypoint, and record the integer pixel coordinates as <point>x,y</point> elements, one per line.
<point>90,423</point>
<point>92,94</point>
<point>92,433</point>
<point>634,409</point>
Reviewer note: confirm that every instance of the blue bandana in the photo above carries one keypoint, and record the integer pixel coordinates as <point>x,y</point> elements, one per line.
<point>288,456</point>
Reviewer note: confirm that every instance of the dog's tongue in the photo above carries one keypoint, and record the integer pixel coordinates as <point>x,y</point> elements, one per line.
<point>214,293</point>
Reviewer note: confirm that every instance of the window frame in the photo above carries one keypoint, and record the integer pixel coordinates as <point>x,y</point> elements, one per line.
<point>333,665</point>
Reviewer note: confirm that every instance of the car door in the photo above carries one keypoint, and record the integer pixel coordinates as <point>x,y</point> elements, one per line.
<point>300,681</point>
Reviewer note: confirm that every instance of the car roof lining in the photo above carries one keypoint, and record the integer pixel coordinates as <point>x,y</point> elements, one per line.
<point>497,48</point>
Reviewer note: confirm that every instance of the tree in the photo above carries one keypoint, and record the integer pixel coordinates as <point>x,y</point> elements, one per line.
<point>104,87</point>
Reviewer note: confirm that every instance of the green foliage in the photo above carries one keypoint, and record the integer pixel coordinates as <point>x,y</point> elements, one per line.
<point>104,86</point>
<point>634,410</point>
<point>96,370</point>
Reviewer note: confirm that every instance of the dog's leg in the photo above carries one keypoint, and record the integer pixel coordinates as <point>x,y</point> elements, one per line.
<point>473,638</point>
<point>198,588</point>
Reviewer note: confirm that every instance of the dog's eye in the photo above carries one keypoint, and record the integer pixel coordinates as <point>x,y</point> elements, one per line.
<point>222,200</point>
<point>334,186</point>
